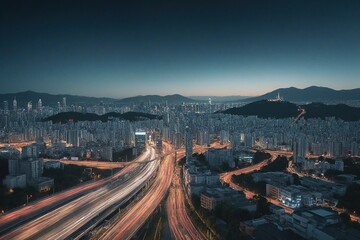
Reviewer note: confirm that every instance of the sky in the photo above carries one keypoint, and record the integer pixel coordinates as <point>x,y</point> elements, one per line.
<point>193,48</point>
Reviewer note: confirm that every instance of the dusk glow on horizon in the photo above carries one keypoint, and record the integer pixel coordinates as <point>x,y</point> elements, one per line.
<point>193,48</point>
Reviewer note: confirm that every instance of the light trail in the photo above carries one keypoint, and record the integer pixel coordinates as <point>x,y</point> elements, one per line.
<point>63,221</point>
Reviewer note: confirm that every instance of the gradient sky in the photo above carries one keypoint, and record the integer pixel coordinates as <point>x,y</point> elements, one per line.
<point>106,48</point>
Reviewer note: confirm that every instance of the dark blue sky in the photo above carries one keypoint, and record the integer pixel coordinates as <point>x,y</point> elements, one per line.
<point>104,48</point>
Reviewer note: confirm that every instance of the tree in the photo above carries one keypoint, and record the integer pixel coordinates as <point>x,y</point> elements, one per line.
<point>296,179</point>
<point>262,205</point>
<point>345,217</point>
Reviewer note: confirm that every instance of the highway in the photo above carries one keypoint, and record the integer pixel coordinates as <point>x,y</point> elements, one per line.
<point>180,223</point>
<point>15,217</point>
<point>92,164</point>
<point>127,226</point>
<point>65,220</point>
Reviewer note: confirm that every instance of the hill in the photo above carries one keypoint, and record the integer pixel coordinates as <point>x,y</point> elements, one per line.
<point>49,99</point>
<point>171,99</point>
<point>65,117</point>
<point>310,94</point>
<point>266,109</point>
<point>218,98</point>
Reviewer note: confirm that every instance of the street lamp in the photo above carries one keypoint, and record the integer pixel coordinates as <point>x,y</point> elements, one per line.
<point>28,196</point>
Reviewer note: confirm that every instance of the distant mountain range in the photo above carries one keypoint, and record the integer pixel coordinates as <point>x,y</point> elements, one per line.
<point>310,94</point>
<point>171,99</point>
<point>65,117</point>
<point>49,99</point>
<point>292,94</point>
<point>267,109</point>
<point>218,98</point>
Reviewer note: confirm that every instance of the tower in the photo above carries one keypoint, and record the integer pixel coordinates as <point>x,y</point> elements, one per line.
<point>39,105</point>
<point>188,144</point>
<point>14,105</point>
<point>209,105</point>
<point>29,106</point>
<point>64,104</point>
<point>6,106</point>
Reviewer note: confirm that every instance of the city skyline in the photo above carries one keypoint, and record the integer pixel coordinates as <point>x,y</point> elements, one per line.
<point>234,48</point>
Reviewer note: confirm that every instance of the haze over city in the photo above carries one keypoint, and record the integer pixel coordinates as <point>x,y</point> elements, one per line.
<point>118,50</point>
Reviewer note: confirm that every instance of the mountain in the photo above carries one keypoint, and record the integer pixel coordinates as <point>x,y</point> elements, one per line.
<point>267,109</point>
<point>49,99</point>
<point>218,98</point>
<point>310,94</point>
<point>65,117</point>
<point>176,98</point>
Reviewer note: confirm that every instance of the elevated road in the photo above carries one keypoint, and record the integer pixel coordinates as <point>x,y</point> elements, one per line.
<point>180,223</point>
<point>134,218</point>
<point>63,221</point>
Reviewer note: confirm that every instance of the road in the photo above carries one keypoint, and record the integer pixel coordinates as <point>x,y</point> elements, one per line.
<point>63,221</point>
<point>180,223</point>
<point>16,146</point>
<point>135,217</point>
<point>227,177</point>
<point>92,164</point>
<point>34,209</point>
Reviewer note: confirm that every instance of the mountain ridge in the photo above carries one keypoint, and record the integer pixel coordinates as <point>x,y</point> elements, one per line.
<point>284,109</point>
<point>51,99</point>
<point>173,98</point>
<point>309,94</point>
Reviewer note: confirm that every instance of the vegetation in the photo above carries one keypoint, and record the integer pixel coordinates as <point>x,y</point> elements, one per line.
<point>351,198</point>
<point>332,173</point>
<point>246,181</point>
<point>124,155</point>
<point>278,165</point>
<point>4,168</point>
<point>12,198</point>
<point>260,156</point>
<point>262,205</point>
<point>72,175</point>
<point>267,109</point>
<point>65,117</point>
<point>232,216</point>
<point>352,166</point>
<point>182,161</point>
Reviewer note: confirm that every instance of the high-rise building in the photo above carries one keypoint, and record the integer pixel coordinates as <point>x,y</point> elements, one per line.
<point>59,106</point>
<point>30,151</point>
<point>29,106</point>
<point>13,167</point>
<point>32,168</point>
<point>6,106</point>
<point>188,144</point>
<point>354,148</point>
<point>64,104</point>
<point>140,141</point>
<point>39,105</point>
<point>14,105</point>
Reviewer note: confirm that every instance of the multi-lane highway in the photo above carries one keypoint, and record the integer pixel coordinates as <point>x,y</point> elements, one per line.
<point>16,217</point>
<point>180,223</point>
<point>92,164</point>
<point>64,221</point>
<point>134,218</point>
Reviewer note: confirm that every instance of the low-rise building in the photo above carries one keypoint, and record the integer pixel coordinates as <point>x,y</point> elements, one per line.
<point>274,178</point>
<point>293,196</point>
<point>15,181</point>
